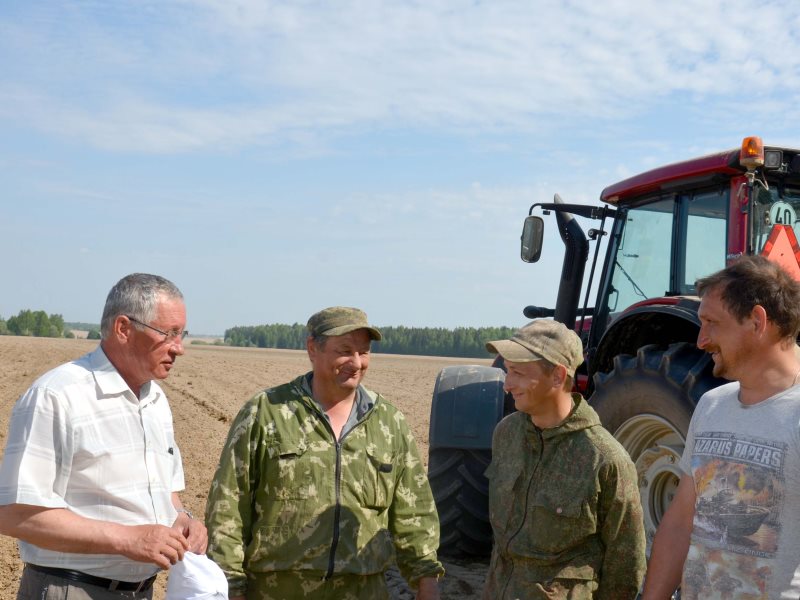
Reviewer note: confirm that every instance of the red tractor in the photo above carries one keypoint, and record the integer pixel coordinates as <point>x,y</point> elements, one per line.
<point>643,374</point>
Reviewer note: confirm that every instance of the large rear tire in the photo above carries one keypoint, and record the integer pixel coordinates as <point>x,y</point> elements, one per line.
<point>461,493</point>
<point>468,402</point>
<point>647,401</point>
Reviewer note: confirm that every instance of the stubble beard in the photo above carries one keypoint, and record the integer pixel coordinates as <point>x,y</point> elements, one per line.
<point>720,369</point>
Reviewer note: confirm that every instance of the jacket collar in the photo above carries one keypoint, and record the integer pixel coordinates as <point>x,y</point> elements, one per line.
<point>581,417</point>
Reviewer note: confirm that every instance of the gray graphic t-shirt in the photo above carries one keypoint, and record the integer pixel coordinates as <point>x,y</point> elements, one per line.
<point>745,461</point>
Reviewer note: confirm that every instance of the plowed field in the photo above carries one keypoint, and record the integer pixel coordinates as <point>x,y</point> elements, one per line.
<point>206,389</point>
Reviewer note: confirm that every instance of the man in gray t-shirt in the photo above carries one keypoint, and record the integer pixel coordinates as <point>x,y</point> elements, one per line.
<point>733,529</point>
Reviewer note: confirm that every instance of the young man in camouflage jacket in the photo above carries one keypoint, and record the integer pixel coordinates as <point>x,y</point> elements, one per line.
<point>563,498</point>
<point>320,483</point>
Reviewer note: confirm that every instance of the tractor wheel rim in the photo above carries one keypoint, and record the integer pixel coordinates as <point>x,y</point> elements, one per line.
<point>655,446</point>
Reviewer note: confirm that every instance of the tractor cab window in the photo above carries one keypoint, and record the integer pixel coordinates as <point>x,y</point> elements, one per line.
<point>666,245</point>
<point>772,207</point>
<point>642,264</point>
<point>706,238</point>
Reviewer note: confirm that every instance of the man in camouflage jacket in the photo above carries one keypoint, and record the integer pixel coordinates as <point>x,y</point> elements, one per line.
<point>563,498</point>
<point>320,484</point>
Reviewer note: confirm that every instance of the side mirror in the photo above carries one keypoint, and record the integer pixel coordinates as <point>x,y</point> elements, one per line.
<point>532,234</point>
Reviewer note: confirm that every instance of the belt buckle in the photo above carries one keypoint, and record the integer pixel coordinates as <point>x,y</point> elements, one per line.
<point>143,584</point>
<point>114,585</point>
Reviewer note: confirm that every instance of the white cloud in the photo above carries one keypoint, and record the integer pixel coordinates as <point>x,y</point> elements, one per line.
<point>206,74</point>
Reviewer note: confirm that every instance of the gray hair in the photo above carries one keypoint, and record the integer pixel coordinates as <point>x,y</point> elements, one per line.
<point>136,295</point>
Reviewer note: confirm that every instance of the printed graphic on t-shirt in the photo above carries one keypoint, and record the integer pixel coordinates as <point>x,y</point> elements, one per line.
<point>740,485</point>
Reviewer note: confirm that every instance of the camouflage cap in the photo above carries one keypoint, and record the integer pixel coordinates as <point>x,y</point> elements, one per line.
<point>338,320</point>
<point>542,339</point>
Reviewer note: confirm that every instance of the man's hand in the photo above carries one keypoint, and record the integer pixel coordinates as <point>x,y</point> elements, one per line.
<point>428,589</point>
<point>157,544</point>
<point>194,531</point>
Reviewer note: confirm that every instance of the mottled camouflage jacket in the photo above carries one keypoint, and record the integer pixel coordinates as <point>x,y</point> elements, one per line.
<point>287,497</point>
<point>565,511</point>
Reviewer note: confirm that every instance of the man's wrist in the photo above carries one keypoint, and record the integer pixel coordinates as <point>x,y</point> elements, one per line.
<point>186,512</point>
<point>425,582</point>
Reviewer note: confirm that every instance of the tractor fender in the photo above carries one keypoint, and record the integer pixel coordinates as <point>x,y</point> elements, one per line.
<point>468,402</point>
<point>652,323</point>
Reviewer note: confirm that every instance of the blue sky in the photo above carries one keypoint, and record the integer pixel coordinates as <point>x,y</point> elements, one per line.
<point>273,158</point>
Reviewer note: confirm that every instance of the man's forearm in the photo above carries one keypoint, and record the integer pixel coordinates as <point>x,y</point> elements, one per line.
<point>671,544</point>
<point>58,529</point>
<point>62,530</point>
<point>666,562</point>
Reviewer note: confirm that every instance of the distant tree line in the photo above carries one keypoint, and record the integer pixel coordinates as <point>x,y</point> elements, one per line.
<point>427,341</point>
<point>291,337</point>
<point>35,323</point>
<point>439,341</point>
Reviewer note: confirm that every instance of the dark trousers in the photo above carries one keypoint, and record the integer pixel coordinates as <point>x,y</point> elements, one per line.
<point>40,586</point>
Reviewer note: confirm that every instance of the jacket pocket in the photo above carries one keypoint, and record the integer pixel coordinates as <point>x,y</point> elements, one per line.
<point>292,476</point>
<point>561,519</point>
<point>380,477</point>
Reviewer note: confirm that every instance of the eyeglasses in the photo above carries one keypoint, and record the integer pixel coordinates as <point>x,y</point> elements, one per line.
<point>169,336</point>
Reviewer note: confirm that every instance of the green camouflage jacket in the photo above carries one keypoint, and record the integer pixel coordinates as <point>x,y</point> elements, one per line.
<point>565,512</point>
<point>287,497</point>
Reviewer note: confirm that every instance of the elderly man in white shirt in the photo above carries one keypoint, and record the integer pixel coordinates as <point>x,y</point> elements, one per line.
<point>91,471</point>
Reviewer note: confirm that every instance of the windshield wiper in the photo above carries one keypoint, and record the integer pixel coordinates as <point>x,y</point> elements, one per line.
<point>636,288</point>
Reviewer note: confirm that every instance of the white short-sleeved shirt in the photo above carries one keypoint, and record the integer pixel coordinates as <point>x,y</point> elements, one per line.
<point>80,439</point>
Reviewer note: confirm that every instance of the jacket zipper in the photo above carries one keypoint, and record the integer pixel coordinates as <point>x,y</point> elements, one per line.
<point>337,508</point>
<point>525,514</point>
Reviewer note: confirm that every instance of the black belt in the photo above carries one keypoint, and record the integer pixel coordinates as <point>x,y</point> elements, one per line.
<point>109,584</point>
